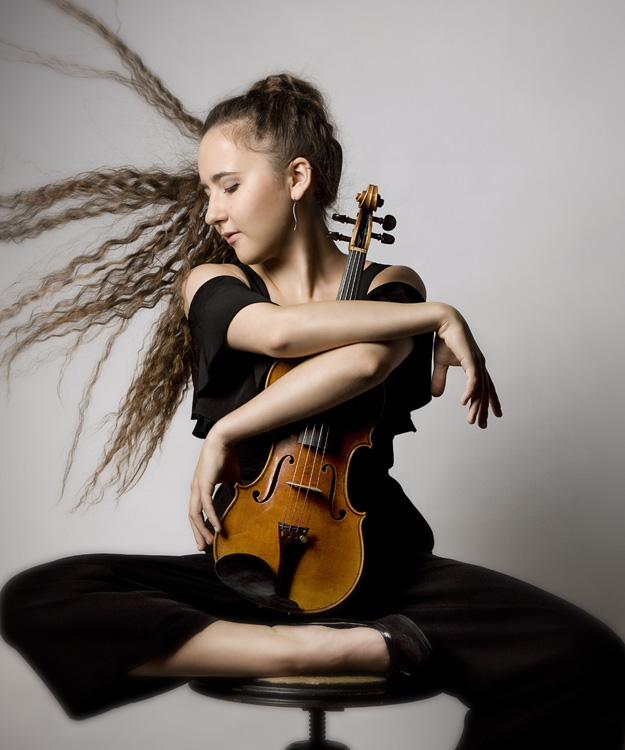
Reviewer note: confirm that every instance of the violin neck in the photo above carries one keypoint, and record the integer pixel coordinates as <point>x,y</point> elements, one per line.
<point>352,273</point>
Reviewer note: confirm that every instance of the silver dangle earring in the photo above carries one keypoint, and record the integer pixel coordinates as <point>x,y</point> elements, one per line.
<point>294,214</point>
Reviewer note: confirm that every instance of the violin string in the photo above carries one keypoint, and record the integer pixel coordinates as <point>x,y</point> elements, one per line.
<point>319,433</point>
<point>311,434</point>
<point>306,475</point>
<point>295,478</point>
<point>306,505</point>
<point>308,439</point>
<point>347,291</point>
<point>318,428</point>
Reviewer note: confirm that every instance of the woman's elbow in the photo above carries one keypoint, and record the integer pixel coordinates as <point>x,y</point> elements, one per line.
<point>285,335</point>
<point>265,331</point>
<point>375,361</point>
<point>278,341</point>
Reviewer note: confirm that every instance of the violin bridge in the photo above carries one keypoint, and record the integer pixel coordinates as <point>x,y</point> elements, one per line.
<point>305,488</point>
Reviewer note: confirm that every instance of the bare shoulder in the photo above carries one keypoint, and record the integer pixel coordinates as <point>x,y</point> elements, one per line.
<point>403,274</point>
<point>203,273</point>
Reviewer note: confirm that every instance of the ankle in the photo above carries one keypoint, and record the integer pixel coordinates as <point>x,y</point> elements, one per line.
<point>317,648</point>
<point>367,651</point>
<point>306,648</point>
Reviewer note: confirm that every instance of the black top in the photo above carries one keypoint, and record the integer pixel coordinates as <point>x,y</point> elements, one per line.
<point>225,378</point>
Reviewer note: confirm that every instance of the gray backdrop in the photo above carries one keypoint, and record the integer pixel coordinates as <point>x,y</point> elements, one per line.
<point>495,132</point>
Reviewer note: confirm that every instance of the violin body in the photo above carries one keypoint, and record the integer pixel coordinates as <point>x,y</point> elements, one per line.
<point>291,539</point>
<point>296,516</point>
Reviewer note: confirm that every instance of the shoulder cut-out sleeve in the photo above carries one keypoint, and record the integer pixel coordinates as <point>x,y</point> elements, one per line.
<point>408,386</point>
<point>221,376</point>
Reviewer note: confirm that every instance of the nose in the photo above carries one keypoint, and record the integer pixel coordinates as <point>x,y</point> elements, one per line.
<point>215,211</point>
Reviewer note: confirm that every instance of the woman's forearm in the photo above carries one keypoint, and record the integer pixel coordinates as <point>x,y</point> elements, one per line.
<point>314,385</point>
<point>310,387</point>
<point>313,327</point>
<point>333,376</point>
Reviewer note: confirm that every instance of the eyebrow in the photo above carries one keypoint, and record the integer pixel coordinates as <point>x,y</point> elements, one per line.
<point>217,177</point>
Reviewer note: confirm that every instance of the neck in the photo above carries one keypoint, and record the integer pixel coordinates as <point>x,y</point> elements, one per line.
<point>310,266</point>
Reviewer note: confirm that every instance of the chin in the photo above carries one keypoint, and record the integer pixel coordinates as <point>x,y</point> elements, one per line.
<point>245,256</point>
<point>251,256</point>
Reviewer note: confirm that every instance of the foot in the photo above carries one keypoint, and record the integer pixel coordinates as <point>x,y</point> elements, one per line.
<point>319,649</point>
<point>408,648</point>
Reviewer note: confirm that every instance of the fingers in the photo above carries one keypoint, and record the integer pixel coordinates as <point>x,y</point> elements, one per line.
<point>472,389</point>
<point>209,511</point>
<point>201,505</point>
<point>482,395</point>
<point>200,542</point>
<point>482,410</point>
<point>202,535</point>
<point>456,346</point>
<point>439,380</point>
<point>494,399</point>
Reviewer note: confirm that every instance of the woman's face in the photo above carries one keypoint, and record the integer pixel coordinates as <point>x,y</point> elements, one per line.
<point>249,204</point>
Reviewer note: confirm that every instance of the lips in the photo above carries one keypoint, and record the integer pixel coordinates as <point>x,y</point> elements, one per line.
<point>230,237</point>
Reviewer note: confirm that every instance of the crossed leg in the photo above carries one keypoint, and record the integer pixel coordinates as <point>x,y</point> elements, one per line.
<point>238,649</point>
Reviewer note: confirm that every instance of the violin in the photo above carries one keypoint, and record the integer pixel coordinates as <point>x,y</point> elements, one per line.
<point>291,539</point>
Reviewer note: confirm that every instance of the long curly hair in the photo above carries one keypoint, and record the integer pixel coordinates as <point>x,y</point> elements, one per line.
<point>98,291</point>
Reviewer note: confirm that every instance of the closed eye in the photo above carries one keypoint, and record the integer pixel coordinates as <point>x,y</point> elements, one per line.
<point>231,189</point>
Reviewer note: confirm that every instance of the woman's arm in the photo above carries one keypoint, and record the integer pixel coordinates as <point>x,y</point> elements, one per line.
<point>338,372</point>
<point>313,327</point>
<point>314,385</point>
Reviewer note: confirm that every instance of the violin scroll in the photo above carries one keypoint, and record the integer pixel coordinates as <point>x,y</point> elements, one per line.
<point>388,222</point>
<point>384,238</point>
<point>369,201</point>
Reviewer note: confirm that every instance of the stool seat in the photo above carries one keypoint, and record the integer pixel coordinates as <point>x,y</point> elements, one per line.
<point>329,692</point>
<point>314,693</point>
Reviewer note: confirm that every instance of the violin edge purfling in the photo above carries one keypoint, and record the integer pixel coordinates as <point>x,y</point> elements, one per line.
<point>296,519</point>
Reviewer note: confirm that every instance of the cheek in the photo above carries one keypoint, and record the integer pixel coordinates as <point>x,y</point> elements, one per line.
<point>266,220</point>
<point>271,212</point>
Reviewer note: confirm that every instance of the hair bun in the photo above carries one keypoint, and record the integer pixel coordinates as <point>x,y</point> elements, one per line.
<point>286,117</point>
<point>285,83</point>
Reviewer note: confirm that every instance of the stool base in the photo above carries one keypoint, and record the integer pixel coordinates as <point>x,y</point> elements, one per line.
<point>317,734</point>
<point>323,745</point>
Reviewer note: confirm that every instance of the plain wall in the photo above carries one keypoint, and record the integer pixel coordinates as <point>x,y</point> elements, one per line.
<point>495,132</point>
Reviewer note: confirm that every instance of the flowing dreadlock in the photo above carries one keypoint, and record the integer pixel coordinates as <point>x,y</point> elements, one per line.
<point>100,290</point>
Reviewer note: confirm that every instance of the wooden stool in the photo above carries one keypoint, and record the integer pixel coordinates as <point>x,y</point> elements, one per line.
<point>313,694</point>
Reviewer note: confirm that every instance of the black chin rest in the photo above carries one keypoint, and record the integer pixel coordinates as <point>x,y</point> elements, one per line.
<point>252,577</point>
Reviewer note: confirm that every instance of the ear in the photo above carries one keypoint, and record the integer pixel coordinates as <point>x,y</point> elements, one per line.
<point>299,174</point>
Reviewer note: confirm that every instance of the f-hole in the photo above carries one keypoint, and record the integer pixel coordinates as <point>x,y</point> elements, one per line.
<point>331,495</point>
<point>274,480</point>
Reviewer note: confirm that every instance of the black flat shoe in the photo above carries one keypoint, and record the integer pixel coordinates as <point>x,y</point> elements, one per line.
<point>408,648</point>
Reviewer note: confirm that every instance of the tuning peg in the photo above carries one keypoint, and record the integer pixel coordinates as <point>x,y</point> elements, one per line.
<point>337,236</point>
<point>388,222</point>
<point>380,201</point>
<point>343,219</point>
<point>385,239</point>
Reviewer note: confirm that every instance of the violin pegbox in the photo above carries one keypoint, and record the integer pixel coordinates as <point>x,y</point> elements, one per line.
<point>369,200</point>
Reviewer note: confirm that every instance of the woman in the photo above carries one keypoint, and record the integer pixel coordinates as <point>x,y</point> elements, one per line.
<point>258,281</point>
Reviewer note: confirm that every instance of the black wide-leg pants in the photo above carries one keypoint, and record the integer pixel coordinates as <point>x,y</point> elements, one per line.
<point>534,671</point>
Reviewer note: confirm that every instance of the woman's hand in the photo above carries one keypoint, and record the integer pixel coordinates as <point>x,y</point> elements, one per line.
<point>215,461</point>
<point>455,346</point>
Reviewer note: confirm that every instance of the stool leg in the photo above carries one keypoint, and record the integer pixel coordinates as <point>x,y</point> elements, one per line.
<point>317,734</point>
